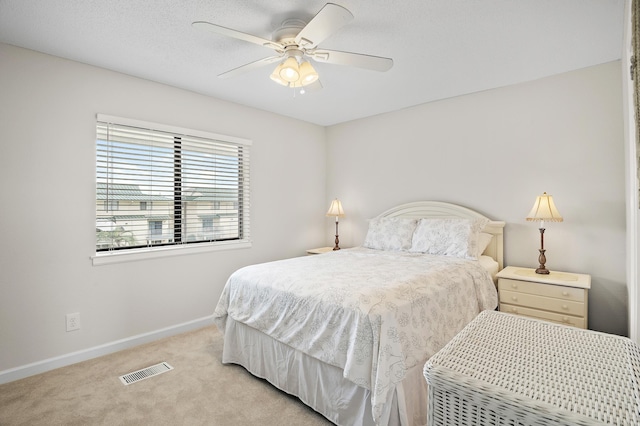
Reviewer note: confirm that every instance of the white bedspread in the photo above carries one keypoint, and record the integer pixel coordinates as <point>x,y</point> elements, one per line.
<point>373,313</point>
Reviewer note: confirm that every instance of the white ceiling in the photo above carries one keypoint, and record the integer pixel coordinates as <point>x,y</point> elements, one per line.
<point>440,48</point>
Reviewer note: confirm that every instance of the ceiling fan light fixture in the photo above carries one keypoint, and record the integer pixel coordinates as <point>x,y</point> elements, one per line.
<point>294,42</point>
<point>275,76</point>
<point>308,74</point>
<point>289,70</point>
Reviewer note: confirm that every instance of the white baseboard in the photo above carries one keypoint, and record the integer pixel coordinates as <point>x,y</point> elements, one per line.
<point>21,372</point>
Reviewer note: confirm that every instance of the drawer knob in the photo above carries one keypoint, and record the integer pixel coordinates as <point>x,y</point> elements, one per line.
<point>565,320</point>
<point>514,298</point>
<point>565,293</point>
<point>514,310</point>
<point>565,307</point>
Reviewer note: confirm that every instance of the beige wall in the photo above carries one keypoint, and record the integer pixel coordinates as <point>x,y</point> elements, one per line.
<point>494,152</point>
<point>48,110</point>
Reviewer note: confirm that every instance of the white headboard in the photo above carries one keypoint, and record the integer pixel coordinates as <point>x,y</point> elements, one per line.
<point>425,209</point>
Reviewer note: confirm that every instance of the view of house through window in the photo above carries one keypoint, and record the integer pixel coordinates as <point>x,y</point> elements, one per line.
<point>158,186</point>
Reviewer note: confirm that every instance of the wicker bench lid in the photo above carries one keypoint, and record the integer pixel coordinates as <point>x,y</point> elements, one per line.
<point>544,372</point>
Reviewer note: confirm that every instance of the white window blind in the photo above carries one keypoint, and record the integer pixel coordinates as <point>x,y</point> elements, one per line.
<point>158,186</point>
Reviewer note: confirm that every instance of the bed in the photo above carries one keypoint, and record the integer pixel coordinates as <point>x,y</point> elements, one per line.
<point>348,332</point>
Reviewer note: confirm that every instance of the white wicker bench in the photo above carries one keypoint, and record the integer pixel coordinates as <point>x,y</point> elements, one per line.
<point>503,369</point>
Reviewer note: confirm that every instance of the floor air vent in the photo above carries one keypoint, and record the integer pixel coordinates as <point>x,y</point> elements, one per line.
<point>145,373</point>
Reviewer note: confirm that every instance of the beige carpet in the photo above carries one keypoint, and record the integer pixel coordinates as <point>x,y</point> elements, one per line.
<point>200,390</point>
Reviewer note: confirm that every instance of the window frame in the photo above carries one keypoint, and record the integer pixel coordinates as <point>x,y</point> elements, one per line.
<point>150,252</point>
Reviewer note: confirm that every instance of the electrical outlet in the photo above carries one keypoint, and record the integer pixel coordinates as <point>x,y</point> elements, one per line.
<point>73,321</point>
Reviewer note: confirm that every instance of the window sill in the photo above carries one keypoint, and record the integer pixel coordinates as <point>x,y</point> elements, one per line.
<point>106,258</point>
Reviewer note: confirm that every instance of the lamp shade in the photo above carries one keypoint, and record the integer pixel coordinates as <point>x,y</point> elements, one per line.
<point>290,71</point>
<point>275,76</point>
<point>307,73</point>
<point>335,209</point>
<point>544,209</point>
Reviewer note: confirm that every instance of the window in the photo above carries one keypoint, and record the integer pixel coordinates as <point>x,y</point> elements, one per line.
<point>159,186</point>
<point>111,205</point>
<point>207,225</point>
<point>155,231</point>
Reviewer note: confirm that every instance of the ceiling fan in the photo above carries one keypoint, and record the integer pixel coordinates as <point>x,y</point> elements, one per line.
<point>294,42</point>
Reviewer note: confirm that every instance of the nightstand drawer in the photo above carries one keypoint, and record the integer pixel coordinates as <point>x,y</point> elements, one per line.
<point>544,315</point>
<point>542,302</point>
<point>547,290</point>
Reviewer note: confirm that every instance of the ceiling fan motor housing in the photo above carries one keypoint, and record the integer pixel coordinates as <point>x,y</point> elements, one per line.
<point>288,31</point>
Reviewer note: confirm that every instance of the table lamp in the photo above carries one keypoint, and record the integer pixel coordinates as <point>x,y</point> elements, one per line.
<point>543,209</point>
<point>336,210</point>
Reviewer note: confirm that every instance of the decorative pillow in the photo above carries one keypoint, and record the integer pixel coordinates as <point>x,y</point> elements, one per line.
<point>448,237</point>
<point>483,242</point>
<point>390,233</point>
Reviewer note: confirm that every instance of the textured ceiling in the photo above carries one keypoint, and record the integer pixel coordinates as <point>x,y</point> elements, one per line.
<point>440,48</point>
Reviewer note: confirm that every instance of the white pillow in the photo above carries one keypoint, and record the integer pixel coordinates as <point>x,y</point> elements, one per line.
<point>390,233</point>
<point>448,237</point>
<point>483,242</point>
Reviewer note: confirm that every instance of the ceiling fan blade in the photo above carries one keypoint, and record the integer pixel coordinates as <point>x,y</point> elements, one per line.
<point>375,63</point>
<point>313,87</point>
<point>330,18</point>
<point>310,88</point>
<point>250,66</point>
<point>217,29</point>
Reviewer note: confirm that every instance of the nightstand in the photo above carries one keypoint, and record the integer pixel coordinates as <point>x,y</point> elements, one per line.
<point>560,297</point>
<point>320,250</point>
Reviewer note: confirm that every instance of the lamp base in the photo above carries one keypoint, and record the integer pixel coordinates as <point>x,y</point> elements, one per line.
<point>542,259</point>
<point>337,247</point>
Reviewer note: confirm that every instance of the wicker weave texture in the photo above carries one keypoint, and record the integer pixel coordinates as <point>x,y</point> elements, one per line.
<point>504,369</point>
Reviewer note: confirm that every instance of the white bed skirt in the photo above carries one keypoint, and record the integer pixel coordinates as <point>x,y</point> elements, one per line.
<point>322,386</point>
